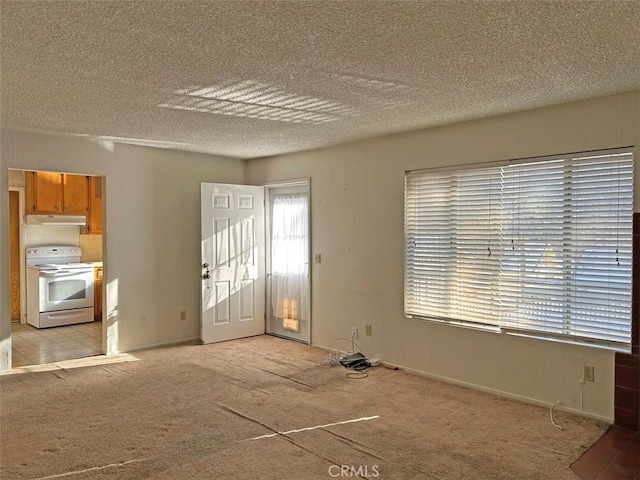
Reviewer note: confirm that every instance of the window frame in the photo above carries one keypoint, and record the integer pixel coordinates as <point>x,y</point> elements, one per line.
<point>500,326</point>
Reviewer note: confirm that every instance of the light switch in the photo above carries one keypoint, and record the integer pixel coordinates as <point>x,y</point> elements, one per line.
<point>317,258</point>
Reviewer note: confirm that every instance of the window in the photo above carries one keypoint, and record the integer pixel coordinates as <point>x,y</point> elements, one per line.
<point>289,259</point>
<point>539,246</point>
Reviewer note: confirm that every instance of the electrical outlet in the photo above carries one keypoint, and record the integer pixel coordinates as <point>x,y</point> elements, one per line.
<point>317,258</point>
<point>367,330</point>
<point>183,315</point>
<point>143,320</point>
<point>354,333</point>
<point>589,374</point>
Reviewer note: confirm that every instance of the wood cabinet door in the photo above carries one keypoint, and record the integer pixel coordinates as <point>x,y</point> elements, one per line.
<point>75,194</point>
<point>94,222</point>
<point>47,192</point>
<point>14,254</point>
<point>97,294</point>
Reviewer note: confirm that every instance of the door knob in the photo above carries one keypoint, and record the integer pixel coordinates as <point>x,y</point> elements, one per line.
<point>205,265</point>
<point>206,276</point>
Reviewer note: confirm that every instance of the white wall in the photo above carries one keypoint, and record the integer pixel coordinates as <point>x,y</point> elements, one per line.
<point>357,225</point>
<point>152,229</point>
<point>39,235</point>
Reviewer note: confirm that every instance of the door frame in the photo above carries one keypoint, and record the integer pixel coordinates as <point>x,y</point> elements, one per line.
<point>109,336</point>
<point>268,187</point>
<point>21,260</point>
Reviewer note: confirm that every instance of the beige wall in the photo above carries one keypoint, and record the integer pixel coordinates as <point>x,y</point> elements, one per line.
<point>16,178</point>
<point>91,246</point>
<point>152,229</point>
<point>357,224</point>
<point>152,236</point>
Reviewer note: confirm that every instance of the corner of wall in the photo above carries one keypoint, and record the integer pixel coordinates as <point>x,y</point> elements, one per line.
<point>6,152</point>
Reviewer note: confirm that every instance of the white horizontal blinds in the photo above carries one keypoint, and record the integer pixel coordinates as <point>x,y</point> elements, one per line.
<point>601,241</point>
<point>452,229</point>
<point>428,244</point>
<point>475,239</point>
<point>532,283</point>
<point>538,246</point>
<point>568,269</point>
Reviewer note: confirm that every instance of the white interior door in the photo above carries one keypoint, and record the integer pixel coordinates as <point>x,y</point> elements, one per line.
<point>233,267</point>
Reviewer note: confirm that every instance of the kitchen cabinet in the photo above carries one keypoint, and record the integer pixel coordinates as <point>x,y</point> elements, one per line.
<point>57,193</point>
<point>75,194</point>
<point>44,192</point>
<point>97,294</point>
<point>94,220</point>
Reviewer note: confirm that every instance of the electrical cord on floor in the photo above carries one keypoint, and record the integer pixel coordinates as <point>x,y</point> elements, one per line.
<point>333,358</point>
<point>357,375</point>
<point>551,415</point>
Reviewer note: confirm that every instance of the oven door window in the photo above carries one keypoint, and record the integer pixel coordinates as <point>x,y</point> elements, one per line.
<point>69,289</point>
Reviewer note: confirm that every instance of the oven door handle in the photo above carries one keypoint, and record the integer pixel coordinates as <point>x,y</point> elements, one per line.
<point>66,314</point>
<point>63,273</point>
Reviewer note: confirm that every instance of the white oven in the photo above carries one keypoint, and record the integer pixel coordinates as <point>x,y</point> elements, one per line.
<point>65,289</point>
<point>59,289</point>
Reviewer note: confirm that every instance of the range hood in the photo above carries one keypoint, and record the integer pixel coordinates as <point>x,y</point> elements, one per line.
<point>56,220</point>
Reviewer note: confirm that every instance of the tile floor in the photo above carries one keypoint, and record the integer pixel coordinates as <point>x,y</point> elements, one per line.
<point>33,346</point>
<point>616,455</point>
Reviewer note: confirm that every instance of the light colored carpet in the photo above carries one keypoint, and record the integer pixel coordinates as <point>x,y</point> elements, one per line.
<point>189,412</point>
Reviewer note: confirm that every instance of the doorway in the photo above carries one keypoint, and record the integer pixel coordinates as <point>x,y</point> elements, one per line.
<point>27,192</point>
<point>288,254</point>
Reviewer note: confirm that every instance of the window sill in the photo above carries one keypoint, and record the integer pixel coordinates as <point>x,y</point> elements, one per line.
<point>519,333</point>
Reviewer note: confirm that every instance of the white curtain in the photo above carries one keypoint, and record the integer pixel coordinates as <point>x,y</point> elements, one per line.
<point>289,259</point>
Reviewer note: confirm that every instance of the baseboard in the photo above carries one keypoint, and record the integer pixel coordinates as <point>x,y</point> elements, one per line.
<point>161,344</point>
<point>502,393</point>
<point>493,391</point>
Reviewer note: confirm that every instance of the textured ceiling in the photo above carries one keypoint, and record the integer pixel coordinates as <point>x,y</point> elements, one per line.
<point>250,79</point>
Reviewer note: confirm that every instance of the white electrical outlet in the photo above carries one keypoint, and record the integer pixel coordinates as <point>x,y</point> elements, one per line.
<point>354,333</point>
<point>143,320</point>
